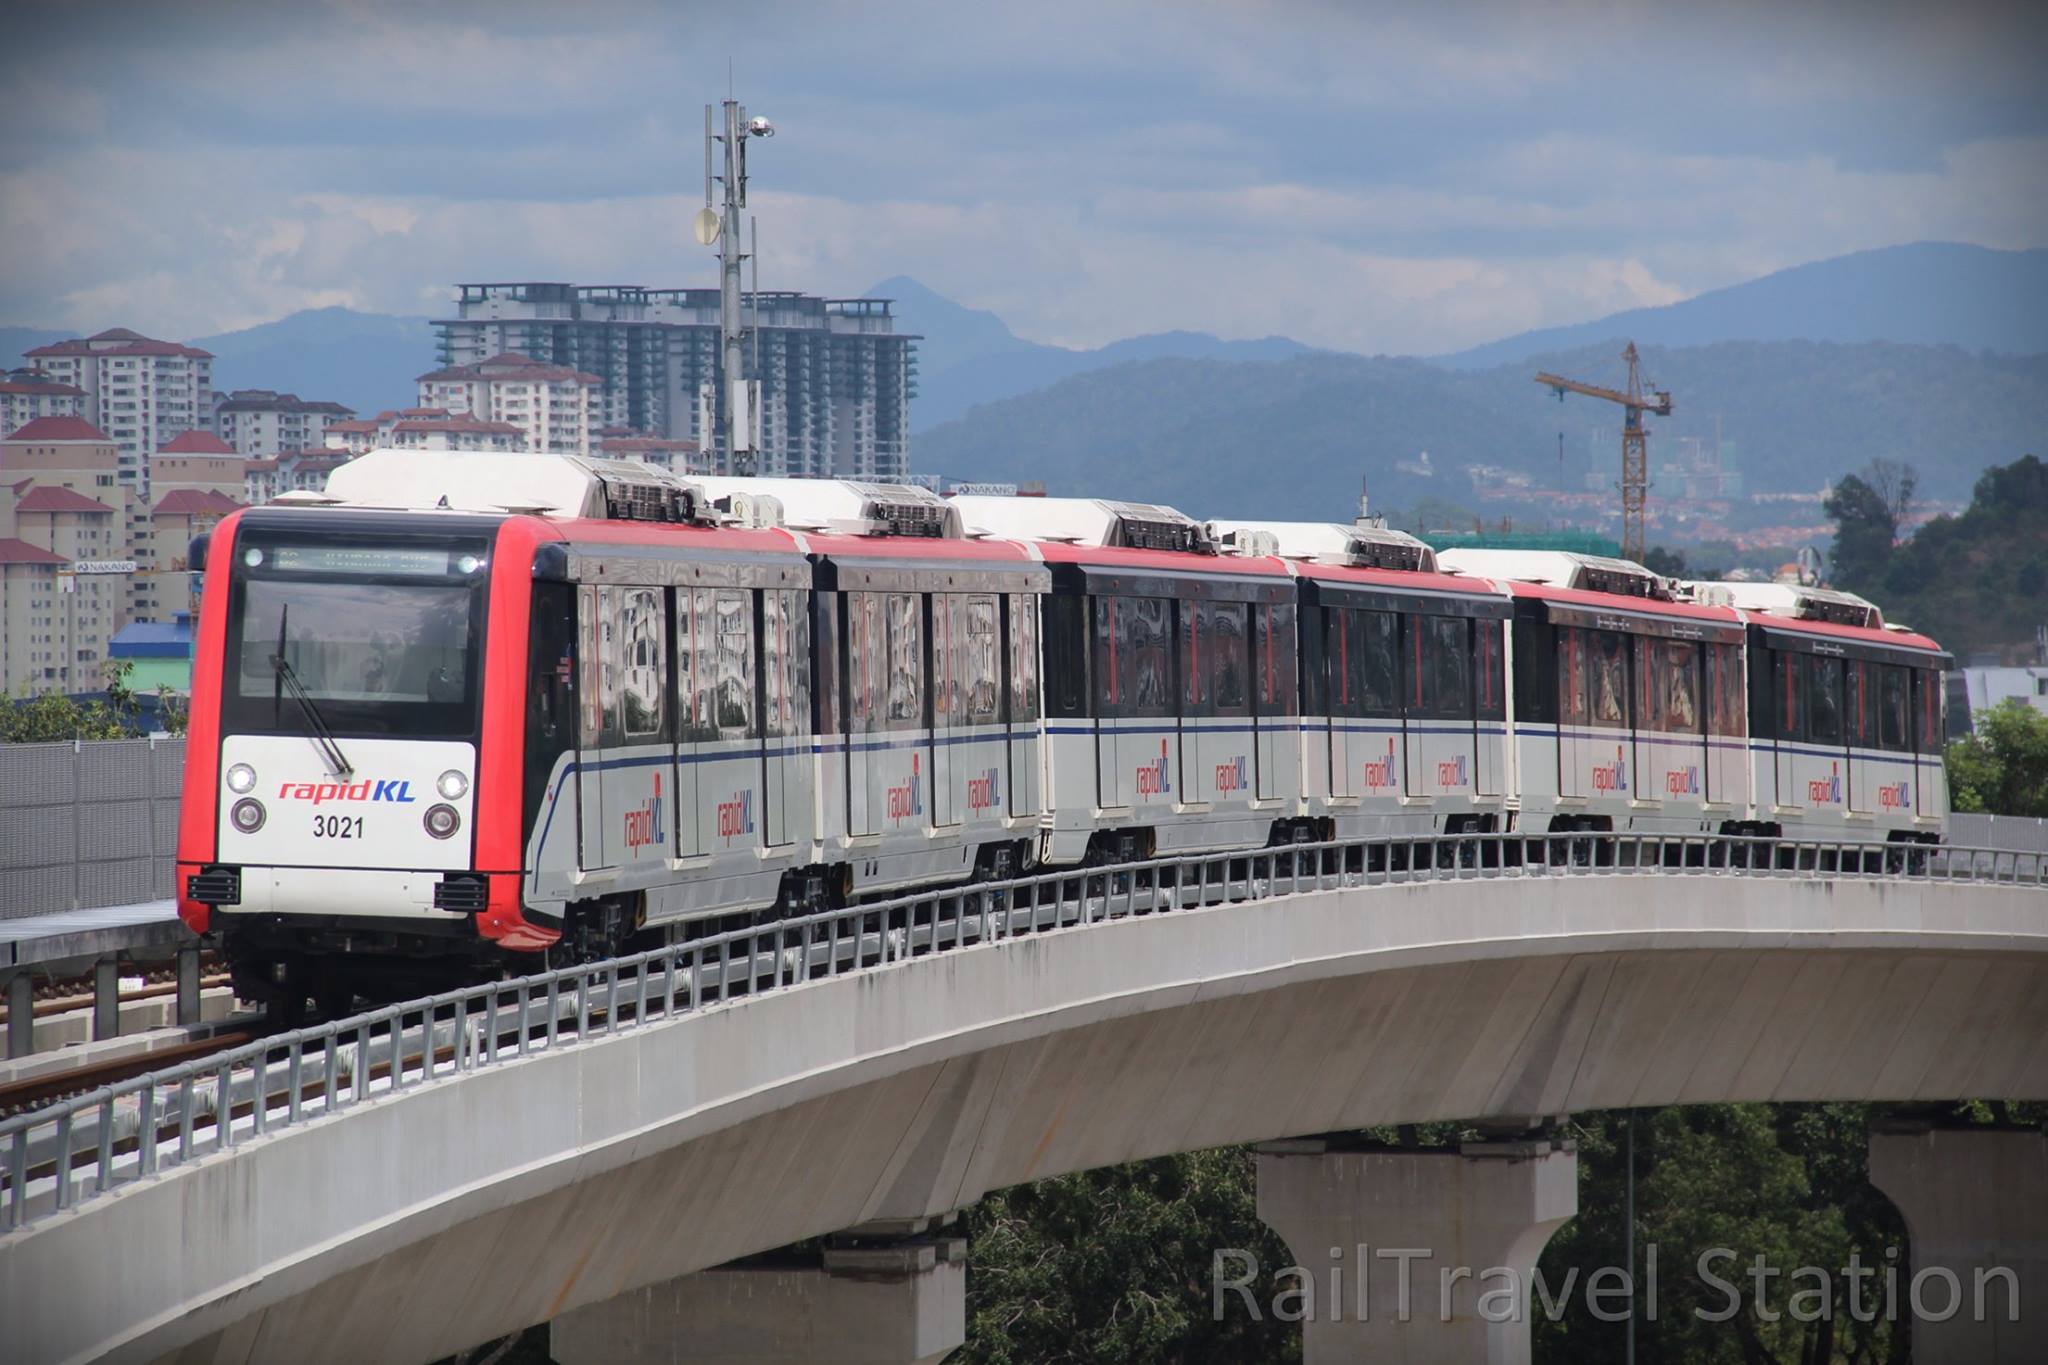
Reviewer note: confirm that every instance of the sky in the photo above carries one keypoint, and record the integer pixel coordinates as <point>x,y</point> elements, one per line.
<point>1375,178</point>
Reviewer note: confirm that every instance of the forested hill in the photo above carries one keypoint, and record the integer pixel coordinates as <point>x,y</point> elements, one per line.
<point>1291,438</point>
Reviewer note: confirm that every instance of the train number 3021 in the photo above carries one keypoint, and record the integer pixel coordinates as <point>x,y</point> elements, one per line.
<point>337,827</point>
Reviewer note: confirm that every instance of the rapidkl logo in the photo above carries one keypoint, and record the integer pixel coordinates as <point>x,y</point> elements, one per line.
<point>1611,777</point>
<point>984,792</point>
<point>1682,782</point>
<point>1451,773</point>
<point>1230,777</point>
<point>382,789</point>
<point>1894,796</point>
<point>736,817</point>
<point>1826,791</point>
<point>1154,779</point>
<point>644,825</point>
<point>1379,772</point>
<point>908,799</point>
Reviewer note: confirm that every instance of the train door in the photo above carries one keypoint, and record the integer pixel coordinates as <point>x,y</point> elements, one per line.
<point>948,716</point>
<point>597,704</point>
<point>1112,789</point>
<point>1340,703</point>
<point>1021,654</point>
<point>867,667</point>
<point>1859,731</point>
<point>1788,700</point>
<point>1646,739</point>
<point>1574,711</point>
<point>1490,708</point>
<point>694,671</point>
<point>638,761</point>
<point>780,618</point>
<point>1414,675</point>
<point>1927,739</point>
<point>1277,699</point>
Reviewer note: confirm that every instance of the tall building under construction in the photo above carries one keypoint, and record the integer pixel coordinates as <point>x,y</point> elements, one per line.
<point>836,377</point>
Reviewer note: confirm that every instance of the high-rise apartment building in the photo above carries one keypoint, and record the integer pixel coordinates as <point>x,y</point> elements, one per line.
<point>140,391</point>
<point>552,406</point>
<point>836,377</point>
<point>260,422</point>
<point>28,394</point>
<point>66,536</point>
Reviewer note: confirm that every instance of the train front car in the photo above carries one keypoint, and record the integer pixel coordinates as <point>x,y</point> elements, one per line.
<point>336,729</point>
<point>1846,726</point>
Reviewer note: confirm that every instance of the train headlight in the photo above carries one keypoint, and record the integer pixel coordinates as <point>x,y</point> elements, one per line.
<point>452,785</point>
<point>247,814</point>
<point>241,779</point>
<point>442,821</point>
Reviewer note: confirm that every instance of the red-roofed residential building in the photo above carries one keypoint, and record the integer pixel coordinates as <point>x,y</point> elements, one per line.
<point>198,459</point>
<point>28,394</point>
<point>424,429</point>
<point>682,456</point>
<point>554,407</point>
<point>299,471</point>
<point>260,421</point>
<point>139,391</point>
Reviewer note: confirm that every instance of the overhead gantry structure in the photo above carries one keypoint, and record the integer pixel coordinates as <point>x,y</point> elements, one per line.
<point>1635,461</point>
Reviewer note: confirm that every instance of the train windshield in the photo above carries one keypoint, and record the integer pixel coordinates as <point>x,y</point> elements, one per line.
<point>380,639</point>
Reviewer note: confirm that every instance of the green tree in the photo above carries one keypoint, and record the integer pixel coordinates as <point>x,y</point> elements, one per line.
<point>1670,563</point>
<point>1116,1266</point>
<point>1867,510</point>
<point>2002,769</point>
<point>52,716</point>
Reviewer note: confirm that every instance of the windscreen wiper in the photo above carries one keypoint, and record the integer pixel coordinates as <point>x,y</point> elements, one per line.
<point>316,725</point>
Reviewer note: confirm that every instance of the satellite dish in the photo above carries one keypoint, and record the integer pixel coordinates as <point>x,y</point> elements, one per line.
<point>705,225</point>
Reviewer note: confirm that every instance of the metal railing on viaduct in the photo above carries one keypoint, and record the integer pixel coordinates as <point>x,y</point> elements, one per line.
<point>1570,971</point>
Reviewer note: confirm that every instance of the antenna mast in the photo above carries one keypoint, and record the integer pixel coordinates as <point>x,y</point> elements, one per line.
<point>741,392</point>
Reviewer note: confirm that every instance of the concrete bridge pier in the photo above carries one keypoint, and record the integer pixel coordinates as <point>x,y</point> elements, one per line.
<point>1465,1223</point>
<point>894,1295</point>
<point>1975,1202</point>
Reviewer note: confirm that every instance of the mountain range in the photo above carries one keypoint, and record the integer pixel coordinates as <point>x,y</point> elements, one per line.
<point>1906,351</point>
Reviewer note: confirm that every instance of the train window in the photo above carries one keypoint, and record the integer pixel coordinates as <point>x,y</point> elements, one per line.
<point>825,669</point>
<point>1724,690</point>
<point>733,684</point>
<point>1667,679</point>
<point>551,669</point>
<point>1574,690</point>
<point>1927,695</point>
<point>1111,684</point>
<point>589,660</point>
<point>1378,642</point>
<point>1342,662</point>
<point>1490,670</point>
<point>1065,630</point>
<point>866,662</point>
<point>1860,716</point>
<point>1607,676</point>
<point>1225,646</point>
<point>785,664</point>
<point>1279,690</point>
<point>906,662</point>
<point>948,668</point>
<point>1788,680</point>
<point>642,652</point>
<point>1893,717</point>
<point>983,678</point>
<point>1023,656</point>
<point>1824,699</point>
<point>1451,668</point>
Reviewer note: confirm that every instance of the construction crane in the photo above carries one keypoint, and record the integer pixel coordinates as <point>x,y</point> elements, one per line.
<point>1635,455</point>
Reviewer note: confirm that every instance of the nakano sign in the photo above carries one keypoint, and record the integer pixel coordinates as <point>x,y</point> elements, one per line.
<point>103,566</point>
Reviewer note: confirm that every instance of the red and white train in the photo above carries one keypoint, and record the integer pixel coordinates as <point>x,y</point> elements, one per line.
<point>465,710</point>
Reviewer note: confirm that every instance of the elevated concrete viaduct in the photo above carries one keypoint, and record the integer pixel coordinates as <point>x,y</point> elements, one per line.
<point>424,1222</point>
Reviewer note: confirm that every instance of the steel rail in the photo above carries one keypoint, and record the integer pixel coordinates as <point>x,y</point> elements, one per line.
<point>87,1145</point>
